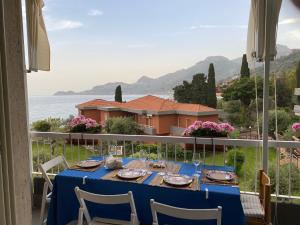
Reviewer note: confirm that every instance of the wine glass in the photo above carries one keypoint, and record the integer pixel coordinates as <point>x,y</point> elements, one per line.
<point>196,161</point>
<point>148,163</point>
<point>111,150</point>
<point>161,160</point>
<point>143,157</point>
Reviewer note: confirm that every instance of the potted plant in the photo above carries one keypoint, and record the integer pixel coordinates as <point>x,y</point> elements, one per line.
<point>207,129</point>
<point>296,131</point>
<point>82,124</point>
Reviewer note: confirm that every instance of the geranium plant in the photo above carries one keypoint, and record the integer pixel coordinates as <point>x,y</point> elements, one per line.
<point>82,124</point>
<point>208,129</point>
<point>296,130</point>
<point>296,127</point>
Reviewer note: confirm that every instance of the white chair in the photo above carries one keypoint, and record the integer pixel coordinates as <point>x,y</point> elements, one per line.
<point>48,184</point>
<point>182,213</point>
<point>104,199</point>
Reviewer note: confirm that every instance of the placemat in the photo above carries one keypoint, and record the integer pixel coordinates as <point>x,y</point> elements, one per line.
<point>91,169</point>
<point>135,164</point>
<point>204,179</point>
<point>158,181</point>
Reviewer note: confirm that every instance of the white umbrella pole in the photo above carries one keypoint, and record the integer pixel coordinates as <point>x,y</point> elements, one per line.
<point>268,21</point>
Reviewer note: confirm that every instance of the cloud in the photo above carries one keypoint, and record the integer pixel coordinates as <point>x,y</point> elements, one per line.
<point>213,26</point>
<point>289,21</point>
<point>95,12</point>
<point>64,24</point>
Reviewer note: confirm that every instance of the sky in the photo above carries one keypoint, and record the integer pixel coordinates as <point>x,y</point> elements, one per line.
<point>98,41</point>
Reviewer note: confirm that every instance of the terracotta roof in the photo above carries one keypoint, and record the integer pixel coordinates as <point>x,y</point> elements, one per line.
<point>99,102</point>
<point>150,103</point>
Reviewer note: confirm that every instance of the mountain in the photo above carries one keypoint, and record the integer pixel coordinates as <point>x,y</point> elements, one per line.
<point>224,68</point>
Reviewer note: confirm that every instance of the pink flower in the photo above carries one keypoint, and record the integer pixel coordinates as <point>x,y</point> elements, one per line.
<point>81,119</point>
<point>226,127</point>
<point>296,127</point>
<point>208,125</point>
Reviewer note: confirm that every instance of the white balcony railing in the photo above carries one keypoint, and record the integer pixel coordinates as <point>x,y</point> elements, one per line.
<point>214,151</point>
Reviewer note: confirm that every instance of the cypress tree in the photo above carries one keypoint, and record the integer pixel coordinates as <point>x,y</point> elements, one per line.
<point>118,94</point>
<point>199,89</point>
<point>245,72</point>
<point>211,87</point>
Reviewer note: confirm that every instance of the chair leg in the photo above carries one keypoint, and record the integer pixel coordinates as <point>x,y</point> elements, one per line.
<point>43,205</point>
<point>80,217</point>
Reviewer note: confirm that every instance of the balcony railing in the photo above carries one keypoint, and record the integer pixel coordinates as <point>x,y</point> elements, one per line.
<point>214,151</point>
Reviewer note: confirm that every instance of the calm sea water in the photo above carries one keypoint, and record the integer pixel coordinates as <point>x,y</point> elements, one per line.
<point>42,107</point>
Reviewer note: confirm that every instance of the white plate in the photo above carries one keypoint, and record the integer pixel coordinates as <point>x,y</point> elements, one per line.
<point>89,163</point>
<point>219,175</point>
<point>177,180</point>
<point>131,173</point>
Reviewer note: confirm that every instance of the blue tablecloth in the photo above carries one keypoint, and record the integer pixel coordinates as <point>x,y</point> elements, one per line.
<point>64,204</point>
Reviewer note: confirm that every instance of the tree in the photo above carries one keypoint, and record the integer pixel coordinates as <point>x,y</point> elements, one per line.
<point>211,87</point>
<point>182,93</point>
<point>283,100</point>
<point>284,120</point>
<point>298,80</point>
<point>118,94</point>
<point>122,125</point>
<point>245,72</point>
<point>199,89</point>
<point>241,89</point>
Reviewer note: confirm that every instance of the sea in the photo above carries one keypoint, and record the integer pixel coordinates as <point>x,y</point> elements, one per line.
<point>43,107</point>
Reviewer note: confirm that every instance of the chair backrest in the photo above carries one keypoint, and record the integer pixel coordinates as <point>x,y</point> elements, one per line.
<point>265,194</point>
<point>44,168</point>
<point>182,213</point>
<point>105,199</point>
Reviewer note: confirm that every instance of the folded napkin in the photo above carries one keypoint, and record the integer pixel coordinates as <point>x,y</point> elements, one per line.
<point>113,163</point>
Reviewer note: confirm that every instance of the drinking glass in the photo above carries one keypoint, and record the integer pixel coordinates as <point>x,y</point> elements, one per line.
<point>196,161</point>
<point>148,163</point>
<point>162,159</point>
<point>143,157</point>
<point>111,150</point>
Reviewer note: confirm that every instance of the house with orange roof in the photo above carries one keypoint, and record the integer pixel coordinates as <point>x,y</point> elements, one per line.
<point>155,115</point>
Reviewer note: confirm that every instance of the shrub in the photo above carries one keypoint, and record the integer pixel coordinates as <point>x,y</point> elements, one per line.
<point>122,125</point>
<point>82,124</point>
<point>41,125</point>
<point>152,156</point>
<point>239,158</point>
<point>284,178</point>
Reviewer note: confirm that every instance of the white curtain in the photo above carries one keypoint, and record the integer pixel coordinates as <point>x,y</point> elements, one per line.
<point>38,43</point>
<point>257,27</point>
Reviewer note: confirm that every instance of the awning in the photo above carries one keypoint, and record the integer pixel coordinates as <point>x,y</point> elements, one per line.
<point>257,28</point>
<point>38,43</point>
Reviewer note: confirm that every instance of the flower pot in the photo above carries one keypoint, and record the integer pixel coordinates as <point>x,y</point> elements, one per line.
<point>208,147</point>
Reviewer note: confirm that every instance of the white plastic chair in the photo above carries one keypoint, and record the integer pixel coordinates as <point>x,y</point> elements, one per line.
<point>104,199</point>
<point>46,198</point>
<point>182,213</point>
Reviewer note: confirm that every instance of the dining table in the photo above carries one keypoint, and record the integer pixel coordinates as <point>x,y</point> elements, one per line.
<point>64,204</point>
